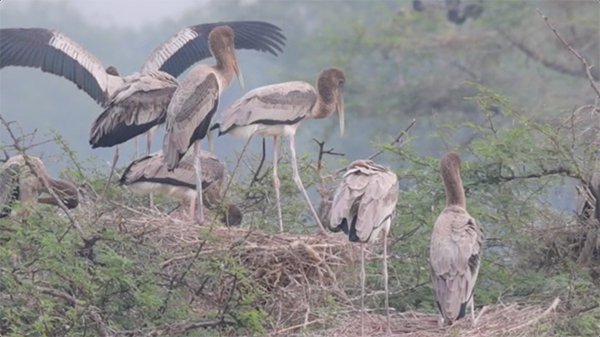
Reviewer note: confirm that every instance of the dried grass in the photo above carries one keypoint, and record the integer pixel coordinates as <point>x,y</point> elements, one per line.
<point>499,320</point>
<point>300,272</point>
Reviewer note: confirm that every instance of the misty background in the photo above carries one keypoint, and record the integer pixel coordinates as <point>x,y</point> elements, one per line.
<point>401,62</point>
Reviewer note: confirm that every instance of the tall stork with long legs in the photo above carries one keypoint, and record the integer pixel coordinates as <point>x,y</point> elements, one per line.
<point>456,247</point>
<point>195,102</point>
<point>363,207</point>
<point>137,103</point>
<point>277,110</point>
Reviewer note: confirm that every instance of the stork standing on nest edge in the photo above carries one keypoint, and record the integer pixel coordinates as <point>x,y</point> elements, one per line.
<point>278,109</point>
<point>195,102</point>
<point>363,207</point>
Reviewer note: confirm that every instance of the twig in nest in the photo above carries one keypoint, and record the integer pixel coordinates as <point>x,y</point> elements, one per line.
<point>536,319</point>
<point>584,62</point>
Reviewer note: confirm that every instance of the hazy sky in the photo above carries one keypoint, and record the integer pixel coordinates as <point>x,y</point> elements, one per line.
<point>121,12</point>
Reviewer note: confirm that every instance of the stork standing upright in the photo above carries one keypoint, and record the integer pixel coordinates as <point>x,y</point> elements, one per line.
<point>137,103</point>
<point>363,206</point>
<point>456,246</point>
<point>195,102</point>
<point>149,174</point>
<point>19,182</point>
<point>278,109</point>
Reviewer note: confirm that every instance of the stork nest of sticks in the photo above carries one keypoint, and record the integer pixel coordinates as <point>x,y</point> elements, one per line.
<point>298,272</point>
<point>499,320</point>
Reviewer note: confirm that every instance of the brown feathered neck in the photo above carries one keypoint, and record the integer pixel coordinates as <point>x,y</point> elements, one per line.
<point>330,84</point>
<point>450,172</point>
<point>65,190</point>
<point>221,44</point>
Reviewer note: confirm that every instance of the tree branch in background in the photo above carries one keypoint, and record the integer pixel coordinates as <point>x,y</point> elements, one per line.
<point>324,192</point>
<point>398,140</point>
<point>587,67</point>
<point>41,177</point>
<point>545,62</point>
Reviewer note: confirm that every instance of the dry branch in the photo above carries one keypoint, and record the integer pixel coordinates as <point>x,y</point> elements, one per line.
<point>494,321</point>
<point>42,178</point>
<point>587,67</point>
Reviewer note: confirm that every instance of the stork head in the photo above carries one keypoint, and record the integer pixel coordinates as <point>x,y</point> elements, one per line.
<point>111,70</point>
<point>233,216</point>
<point>221,41</point>
<point>331,87</point>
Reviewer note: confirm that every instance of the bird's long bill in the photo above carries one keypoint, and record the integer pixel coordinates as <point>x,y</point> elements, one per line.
<point>238,74</point>
<point>340,110</point>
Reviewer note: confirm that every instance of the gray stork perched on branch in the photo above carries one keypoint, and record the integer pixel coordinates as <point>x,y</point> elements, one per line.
<point>150,175</point>
<point>363,206</point>
<point>278,110</point>
<point>19,183</point>
<point>456,247</point>
<point>137,103</point>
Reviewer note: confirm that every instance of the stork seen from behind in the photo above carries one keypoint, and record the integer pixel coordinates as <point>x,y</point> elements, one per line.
<point>363,207</point>
<point>456,247</point>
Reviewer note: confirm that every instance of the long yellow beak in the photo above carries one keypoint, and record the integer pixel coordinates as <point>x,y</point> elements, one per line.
<point>340,110</point>
<point>238,74</point>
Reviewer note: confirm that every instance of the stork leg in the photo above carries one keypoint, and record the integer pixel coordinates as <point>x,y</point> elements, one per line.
<point>192,208</point>
<point>199,202</point>
<point>363,276</point>
<point>209,138</point>
<point>136,147</point>
<point>298,182</point>
<point>276,182</point>
<point>149,136</point>
<point>385,280</point>
<point>112,170</point>
<point>472,305</point>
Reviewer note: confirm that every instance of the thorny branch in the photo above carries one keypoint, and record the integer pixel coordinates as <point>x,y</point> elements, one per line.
<point>39,175</point>
<point>398,140</point>
<point>588,68</point>
<point>537,57</point>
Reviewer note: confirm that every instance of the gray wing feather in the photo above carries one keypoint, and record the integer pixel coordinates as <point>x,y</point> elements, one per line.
<point>368,192</point>
<point>137,106</point>
<point>278,103</point>
<point>456,244</point>
<point>54,52</point>
<point>153,168</point>
<point>190,45</point>
<point>194,101</point>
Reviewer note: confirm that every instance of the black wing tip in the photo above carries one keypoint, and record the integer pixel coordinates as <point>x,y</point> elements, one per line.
<point>463,311</point>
